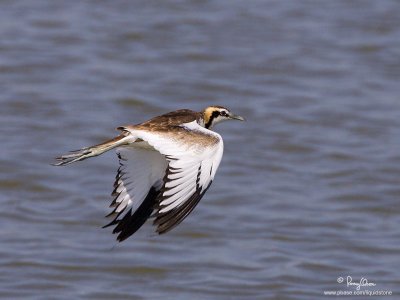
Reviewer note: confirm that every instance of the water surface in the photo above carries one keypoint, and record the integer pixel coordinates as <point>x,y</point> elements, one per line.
<point>308,189</point>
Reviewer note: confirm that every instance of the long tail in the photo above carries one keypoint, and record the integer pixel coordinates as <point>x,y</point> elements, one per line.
<point>92,151</point>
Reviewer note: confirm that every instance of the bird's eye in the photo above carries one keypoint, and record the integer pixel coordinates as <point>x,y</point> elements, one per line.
<point>223,113</point>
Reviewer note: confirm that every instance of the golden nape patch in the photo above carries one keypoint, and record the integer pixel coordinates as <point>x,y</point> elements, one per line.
<point>208,112</point>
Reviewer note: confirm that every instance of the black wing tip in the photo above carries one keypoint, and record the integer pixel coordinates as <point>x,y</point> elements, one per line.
<point>161,231</point>
<point>130,223</point>
<point>167,221</point>
<point>113,222</point>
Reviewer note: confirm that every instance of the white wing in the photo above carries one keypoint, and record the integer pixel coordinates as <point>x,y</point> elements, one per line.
<point>193,154</point>
<point>137,185</point>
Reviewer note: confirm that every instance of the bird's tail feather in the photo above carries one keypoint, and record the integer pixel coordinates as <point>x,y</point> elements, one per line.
<point>96,150</point>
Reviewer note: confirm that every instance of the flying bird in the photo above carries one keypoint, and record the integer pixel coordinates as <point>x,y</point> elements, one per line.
<point>166,166</point>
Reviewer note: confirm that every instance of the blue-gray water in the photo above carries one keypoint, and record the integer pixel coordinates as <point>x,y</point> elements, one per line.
<point>308,189</point>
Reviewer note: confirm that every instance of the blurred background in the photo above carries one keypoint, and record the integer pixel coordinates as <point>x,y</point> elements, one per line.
<point>308,189</point>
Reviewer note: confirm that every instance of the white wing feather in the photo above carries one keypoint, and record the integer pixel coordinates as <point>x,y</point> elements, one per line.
<point>192,166</point>
<point>140,170</point>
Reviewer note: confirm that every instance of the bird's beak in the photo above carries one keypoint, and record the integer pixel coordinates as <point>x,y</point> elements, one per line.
<point>236,117</point>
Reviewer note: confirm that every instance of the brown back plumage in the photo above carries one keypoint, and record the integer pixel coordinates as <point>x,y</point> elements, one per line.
<point>174,118</point>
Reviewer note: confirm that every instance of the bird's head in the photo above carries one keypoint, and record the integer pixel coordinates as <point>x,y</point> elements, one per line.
<point>215,114</point>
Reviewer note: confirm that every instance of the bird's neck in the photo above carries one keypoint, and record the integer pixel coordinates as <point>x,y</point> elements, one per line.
<point>205,121</point>
<point>201,122</point>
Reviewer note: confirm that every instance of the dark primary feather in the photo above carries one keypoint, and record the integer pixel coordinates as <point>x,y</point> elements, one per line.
<point>130,223</point>
<point>168,220</point>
